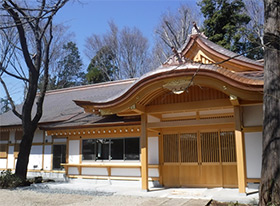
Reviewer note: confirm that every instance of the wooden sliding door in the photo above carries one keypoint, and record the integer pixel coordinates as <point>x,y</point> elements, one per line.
<point>200,159</point>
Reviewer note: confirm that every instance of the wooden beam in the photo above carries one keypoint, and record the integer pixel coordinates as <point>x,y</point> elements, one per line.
<point>240,151</point>
<point>144,152</point>
<point>189,106</point>
<point>253,129</point>
<point>183,123</point>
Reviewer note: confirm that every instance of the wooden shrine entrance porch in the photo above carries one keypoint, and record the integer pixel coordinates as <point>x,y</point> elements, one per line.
<point>197,145</point>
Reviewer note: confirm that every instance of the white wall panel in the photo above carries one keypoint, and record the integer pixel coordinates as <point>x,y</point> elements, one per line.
<point>126,172</point>
<point>252,115</point>
<point>48,157</point>
<point>12,136</point>
<point>153,119</point>
<point>153,172</point>
<point>153,150</point>
<point>74,151</point>
<point>73,171</point>
<point>60,140</point>
<point>48,139</point>
<point>35,157</point>
<point>253,147</point>
<point>3,163</point>
<point>94,171</point>
<point>11,158</point>
<point>38,136</point>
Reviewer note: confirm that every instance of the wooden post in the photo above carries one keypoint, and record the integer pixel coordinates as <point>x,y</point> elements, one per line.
<point>240,153</point>
<point>144,152</point>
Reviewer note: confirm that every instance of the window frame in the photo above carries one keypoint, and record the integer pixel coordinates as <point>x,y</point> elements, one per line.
<point>95,159</point>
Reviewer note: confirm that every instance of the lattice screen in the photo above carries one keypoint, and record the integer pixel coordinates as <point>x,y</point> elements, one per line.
<point>171,147</point>
<point>210,147</point>
<point>228,146</point>
<point>188,146</point>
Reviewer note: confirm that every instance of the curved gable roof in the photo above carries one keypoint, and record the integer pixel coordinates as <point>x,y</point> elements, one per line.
<point>221,56</point>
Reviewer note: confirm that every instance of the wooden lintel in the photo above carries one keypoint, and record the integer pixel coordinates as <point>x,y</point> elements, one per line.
<point>112,131</point>
<point>190,123</point>
<point>127,113</point>
<point>253,129</point>
<point>189,106</point>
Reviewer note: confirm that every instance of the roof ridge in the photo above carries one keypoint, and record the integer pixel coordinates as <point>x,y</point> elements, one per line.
<point>90,86</point>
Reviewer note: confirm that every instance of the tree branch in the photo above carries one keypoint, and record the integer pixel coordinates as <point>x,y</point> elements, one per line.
<point>10,99</point>
<point>21,36</point>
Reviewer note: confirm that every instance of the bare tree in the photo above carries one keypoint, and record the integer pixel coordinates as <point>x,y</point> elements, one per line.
<point>127,51</point>
<point>255,9</point>
<point>33,24</point>
<point>270,175</point>
<point>172,32</point>
<point>133,53</point>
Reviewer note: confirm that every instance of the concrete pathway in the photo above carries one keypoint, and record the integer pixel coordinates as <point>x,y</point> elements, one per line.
<point>170,196</point>
<point>175,202</point>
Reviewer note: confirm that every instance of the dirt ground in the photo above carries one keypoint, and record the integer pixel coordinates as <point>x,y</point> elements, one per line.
<point>32,198</point>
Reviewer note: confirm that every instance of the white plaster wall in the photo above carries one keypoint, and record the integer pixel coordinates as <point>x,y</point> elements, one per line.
<point>126,172</point>
<point>74,150</point>
<point>11,158</point>
<point>35,157</point>
<point>60,140</point>
<point>94,171</point>
<point>153,150</point>
<point>153,172</point>
<point>73,171</point>
<point>38,136</point>
<point>253,115</point>
<point>3,163</point>
<point>47,157</point>
<point>253,147</point>
<point>48,139</point>
<point>12,136</point>
<point>153,119</point>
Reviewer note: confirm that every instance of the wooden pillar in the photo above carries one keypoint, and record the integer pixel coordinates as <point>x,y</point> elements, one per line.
<point>240,153</point>
<point>144,152</point>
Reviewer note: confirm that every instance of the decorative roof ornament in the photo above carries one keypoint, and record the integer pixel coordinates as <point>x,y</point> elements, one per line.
<point>196,30</point>
<point>178,86</point>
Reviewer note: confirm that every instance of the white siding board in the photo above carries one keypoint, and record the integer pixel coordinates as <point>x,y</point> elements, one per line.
<point>253,147</point>
<point>47,157</point>
<point>153,150</point>
<point>74,151</point>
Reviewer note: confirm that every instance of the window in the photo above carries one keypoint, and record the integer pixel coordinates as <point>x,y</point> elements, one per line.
<point>132,149</point>
<point>117,149</point>
<point>111,149</point>
<point>102,148</point>
<point>89,150</point>
<point>59,156</point>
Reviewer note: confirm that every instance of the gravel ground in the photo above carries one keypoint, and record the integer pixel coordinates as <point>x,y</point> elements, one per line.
<point>41,196</point>
<point>80,193</point>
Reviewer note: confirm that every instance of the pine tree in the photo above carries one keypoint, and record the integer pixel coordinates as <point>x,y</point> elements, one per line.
<point>225,24</point>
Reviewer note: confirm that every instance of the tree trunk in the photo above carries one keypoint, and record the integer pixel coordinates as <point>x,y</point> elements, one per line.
<point>24,151</point>
<point>270,176</point>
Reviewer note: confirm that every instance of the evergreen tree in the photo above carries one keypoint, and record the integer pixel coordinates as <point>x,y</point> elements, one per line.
<point>102,67</point>
<point>225,24</point>
<point>68,71</point>
<point>4,105</point>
